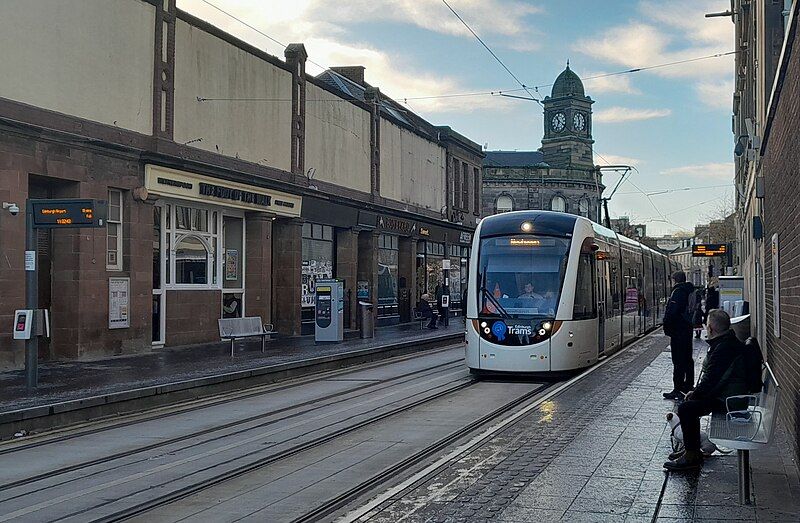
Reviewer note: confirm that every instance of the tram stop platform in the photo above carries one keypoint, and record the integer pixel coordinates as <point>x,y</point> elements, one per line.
<point>594,452</point>
<point>170,374</point>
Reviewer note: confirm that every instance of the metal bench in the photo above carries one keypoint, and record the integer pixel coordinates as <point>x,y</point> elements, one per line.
<point>420,318</point>
<point>747,425</point>
<point>249,327</point>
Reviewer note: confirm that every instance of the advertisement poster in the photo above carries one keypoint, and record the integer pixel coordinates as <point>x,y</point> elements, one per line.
<point>231,264</point>
<point>313,270</point>
<point>118,303</point>
<point>631,299</point>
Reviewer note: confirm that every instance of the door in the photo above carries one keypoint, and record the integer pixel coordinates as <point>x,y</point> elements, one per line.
<point>602,300</point>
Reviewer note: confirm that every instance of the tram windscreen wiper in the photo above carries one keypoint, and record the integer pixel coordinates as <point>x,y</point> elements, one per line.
<point>485,292</point>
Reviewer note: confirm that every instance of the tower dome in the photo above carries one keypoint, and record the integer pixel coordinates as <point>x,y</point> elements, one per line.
<point>568,83</point>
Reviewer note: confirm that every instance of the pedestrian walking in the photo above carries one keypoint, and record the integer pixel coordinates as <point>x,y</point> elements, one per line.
<point>678,319</point>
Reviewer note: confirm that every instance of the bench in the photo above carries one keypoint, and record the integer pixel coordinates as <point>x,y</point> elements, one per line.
<point>747,425</point>
<point>248,327</point>
<point>420,318</point>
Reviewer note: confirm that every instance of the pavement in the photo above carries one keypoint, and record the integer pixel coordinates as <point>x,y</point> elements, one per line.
<point>74,381</point>
<point>595,453</point>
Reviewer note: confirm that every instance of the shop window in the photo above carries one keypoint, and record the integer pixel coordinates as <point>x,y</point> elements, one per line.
<point>114,231</point>
<point>317,262</point>
<point>192,255</point>
<point>232,266</point>
<point>388,257</point>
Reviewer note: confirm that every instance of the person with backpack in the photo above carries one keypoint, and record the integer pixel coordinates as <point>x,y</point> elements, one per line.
<point>728,370</point>
<point>678,321</point>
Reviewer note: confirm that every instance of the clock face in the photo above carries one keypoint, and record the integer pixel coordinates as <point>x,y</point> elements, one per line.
<point>559,121</point>
<point>579,121</point>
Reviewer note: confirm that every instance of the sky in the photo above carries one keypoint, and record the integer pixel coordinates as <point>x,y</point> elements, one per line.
<point>672,123</point>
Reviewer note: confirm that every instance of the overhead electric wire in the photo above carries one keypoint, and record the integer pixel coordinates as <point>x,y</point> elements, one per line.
<point>524,87</point>
<point>667,191</point>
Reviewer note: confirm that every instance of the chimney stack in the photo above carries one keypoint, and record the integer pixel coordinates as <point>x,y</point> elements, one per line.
<point>354,73</point>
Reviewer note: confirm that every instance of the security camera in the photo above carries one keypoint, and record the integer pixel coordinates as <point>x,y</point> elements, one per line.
<point>12,208</point>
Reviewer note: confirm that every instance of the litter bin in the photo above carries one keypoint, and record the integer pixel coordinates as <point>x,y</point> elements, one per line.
<point>367,319</point>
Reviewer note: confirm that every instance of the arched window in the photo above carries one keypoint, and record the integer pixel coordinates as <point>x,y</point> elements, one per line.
<point>584,207</point>
<point>193,256</point>
<point>558,204</point>
<point>504,204</point>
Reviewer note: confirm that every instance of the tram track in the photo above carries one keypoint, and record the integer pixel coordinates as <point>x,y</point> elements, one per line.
<point>315,404</point>
<point>126,420</point>
<point>170,497</point>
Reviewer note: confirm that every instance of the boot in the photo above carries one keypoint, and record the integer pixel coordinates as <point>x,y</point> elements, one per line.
<point>672,395</point>
<point>677,454</point>
<point>691,459</point>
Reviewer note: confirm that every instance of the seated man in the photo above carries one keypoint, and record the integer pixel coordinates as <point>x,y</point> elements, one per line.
<point>529,293</point>
<point>723,375</point>
<point>424,309</point>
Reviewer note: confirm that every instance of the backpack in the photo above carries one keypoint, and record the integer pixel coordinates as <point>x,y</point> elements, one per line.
<point>753,365</point>
<point>691,305</point>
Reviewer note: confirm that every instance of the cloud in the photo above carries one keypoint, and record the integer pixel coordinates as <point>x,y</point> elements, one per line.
<point>719,170</point>
<point>627,114</point>
<point>320,25</point>
<point>616,159</point>
<point>608,84</point>
<point>716,94</point>
<point>666,32</point>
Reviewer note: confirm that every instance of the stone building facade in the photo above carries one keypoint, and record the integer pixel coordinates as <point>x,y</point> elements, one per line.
<point>561,175</point>
<point>235,180</point>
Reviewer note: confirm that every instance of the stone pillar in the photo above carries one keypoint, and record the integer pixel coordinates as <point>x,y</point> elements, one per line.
<point>296,57</point>
<point>368,264</point>
<point>347,269</point>
<point>407,277</point>
<point>258,266</point>
<point>372,95</point>
<point>287,258</point>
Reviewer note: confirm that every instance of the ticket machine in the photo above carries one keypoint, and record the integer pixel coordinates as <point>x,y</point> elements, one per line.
<point>329,311</point>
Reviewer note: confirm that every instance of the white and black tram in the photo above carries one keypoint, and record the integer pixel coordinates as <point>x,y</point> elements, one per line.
<point>551,292</point>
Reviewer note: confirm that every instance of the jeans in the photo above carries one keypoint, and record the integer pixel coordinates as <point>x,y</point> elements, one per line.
<point>690,413</point>
<point>681,347</point>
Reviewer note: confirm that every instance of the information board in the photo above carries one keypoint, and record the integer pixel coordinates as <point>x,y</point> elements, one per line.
<point>68,213</point>
<point>703,250</point>
<point>119,303</point>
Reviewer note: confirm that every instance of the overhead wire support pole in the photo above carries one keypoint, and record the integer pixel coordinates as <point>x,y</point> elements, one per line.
<point>626,169</point>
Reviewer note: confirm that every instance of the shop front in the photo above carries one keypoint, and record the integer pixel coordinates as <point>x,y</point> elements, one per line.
<point>206,232</point>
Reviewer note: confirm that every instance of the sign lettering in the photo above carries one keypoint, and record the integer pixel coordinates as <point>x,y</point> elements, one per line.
<point>226,193</point>
<point>68,213</point>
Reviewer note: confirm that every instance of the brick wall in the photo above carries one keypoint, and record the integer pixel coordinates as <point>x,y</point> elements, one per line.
<point>192,316</point>
<point>781,170</point>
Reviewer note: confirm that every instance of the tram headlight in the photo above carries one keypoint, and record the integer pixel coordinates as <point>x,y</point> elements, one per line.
<point>542,332</point>
<point>526,226</point>
<point>547,325</point>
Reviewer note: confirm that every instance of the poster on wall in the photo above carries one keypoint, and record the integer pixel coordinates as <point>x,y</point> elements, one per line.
<point>776,287</point>
<point>312,271</point>
<point>231,264</point>
<point>118,303</point>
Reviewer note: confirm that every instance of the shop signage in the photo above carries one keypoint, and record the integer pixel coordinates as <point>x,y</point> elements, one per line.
<point>362,290</point>
<point>397,225</point>
<point>118,303</point>
<point>164,181</point>
<point>465,237</point>
<point>424,231</point>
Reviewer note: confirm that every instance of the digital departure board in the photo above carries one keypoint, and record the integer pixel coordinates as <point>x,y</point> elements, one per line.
<point>68,213</point>
<point>703,250</point>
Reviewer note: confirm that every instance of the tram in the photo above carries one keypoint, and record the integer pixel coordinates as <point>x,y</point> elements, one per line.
<point>552,292</point>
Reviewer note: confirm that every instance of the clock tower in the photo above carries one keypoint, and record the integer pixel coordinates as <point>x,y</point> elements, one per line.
<point>567,142</point>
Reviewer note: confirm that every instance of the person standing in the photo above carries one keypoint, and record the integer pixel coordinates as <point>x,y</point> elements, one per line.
<point>712,299</point>
<point>698,316</point>
<point>678,326</point>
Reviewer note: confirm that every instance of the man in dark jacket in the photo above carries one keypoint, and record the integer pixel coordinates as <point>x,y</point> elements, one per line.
<point>712,300</point>
<point>679,330</point>
<point>724,374</point>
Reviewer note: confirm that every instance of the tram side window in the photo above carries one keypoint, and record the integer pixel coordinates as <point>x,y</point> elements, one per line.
<point>585,306</point>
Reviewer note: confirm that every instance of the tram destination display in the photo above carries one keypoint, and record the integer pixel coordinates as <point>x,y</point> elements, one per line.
<point>55,214</point>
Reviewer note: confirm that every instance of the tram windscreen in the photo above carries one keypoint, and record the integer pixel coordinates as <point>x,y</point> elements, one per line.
<point>521,276</point>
